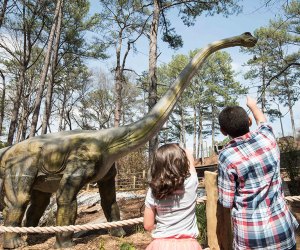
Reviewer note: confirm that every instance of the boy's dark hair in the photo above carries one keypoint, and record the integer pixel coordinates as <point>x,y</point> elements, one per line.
<point>234,121</point>
<point>169,170</point>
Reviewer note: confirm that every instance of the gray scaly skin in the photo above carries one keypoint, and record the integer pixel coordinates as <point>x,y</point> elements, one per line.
<point>64,162</point>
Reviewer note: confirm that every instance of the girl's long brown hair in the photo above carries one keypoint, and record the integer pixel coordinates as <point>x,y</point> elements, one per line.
<point>169,170</point>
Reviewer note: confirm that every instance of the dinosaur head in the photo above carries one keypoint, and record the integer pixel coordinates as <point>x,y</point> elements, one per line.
<point>247,40</point>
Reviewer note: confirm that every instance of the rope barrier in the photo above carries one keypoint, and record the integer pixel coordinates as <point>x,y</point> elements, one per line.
<point>70,228</point>
<point>86,227</point>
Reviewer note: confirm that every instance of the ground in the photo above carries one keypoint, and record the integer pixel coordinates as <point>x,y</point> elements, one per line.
<point>100,239</point>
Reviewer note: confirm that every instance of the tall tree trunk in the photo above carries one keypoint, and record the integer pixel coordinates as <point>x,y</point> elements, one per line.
<point>48,102</point>
<point>263,93</point>
<point>153,143</point>
<point>200,135</point>
<point>2,13</point>
<point>39,96</point>
<point>120,79</point>
<point>61,125</point>
<point>290,105</point>
<point>118,98</point>
<point>213,126</point>
<point>20,83</point>
<point>280,119</point>
<point>15,111</point>
<point>21,132</point>
<point>182,127</point>
<point>195,132</point>
<point>2,102</point>
<point>118,82</point>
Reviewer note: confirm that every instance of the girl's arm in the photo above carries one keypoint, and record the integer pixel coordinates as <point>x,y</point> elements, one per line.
<point>149,219</point>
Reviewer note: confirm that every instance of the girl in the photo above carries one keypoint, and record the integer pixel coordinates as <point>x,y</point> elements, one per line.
<point>171,200</point>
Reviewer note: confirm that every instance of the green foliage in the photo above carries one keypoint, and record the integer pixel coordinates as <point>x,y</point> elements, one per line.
<point>127,246</point>
<point>188,11</point>
<point>274,59</point>
<point>3,144</point>
<point>212,88</point>
<point>101,245</point>
<point>139,228</point>
<point>201,223</point>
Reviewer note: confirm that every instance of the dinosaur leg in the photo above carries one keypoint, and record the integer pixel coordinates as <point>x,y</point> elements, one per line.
<point>74,178</point>
<point>38,204</point>
<point>107,190</point>
<point>17,195</point>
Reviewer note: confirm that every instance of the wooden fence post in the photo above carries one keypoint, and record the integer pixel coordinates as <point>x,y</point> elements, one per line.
<point>134,181</point>
<point>219,231</point>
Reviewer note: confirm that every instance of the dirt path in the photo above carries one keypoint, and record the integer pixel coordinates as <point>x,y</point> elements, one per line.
<point>98,239</point>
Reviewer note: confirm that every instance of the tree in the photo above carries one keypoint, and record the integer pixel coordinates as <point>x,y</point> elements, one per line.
<point>124,23</point>
<point>39,96</point>
<point>3,10</point>
<point>212,88</point>
<point>188,11</point>
<point>167,73</point>
<point>21,33</point>
<point>97,107</point>
<point>272,63</point>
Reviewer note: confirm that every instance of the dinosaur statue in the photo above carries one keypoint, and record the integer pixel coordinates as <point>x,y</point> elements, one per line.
<point>64,162</point>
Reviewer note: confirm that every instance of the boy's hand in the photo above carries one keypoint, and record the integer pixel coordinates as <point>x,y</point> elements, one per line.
<point>257,113</point>
<point>251,102</point>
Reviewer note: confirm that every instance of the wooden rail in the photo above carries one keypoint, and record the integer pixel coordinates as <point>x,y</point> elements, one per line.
<point>131,181</point>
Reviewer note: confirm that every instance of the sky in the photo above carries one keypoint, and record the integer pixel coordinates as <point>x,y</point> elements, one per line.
<point>209,29</point>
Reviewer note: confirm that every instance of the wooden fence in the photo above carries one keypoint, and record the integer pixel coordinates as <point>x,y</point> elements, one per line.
<point>131,181</point>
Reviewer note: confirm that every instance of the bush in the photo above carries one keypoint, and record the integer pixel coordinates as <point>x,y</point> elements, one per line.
<point>127,246</point>
<point>290,161</point>
<point>201,223</point>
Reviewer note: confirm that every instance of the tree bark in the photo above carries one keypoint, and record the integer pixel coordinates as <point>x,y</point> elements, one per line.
<point>195,132</point>
<point>2,102</point>
<point>3,11</point>
<point>48,102</point>
<point>290,105</point>
<point>61,124</point>
<point>200,135</point>
<point>39,96</point>
<point>182,127</point>
<point>153,143</point>
<point>15,111</point>
<point>213,125</point>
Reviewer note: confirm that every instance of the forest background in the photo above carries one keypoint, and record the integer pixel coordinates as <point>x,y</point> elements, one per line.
<point>83,64</point>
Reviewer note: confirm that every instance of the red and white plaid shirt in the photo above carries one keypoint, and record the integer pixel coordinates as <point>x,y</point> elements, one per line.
<point>249,182</point>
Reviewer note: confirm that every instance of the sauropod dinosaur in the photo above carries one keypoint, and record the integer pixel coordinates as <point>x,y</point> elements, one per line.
<point>64,162</point>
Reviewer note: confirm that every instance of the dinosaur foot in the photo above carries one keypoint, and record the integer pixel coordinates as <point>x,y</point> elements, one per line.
<point>118,232</point>
<point>14,243</point>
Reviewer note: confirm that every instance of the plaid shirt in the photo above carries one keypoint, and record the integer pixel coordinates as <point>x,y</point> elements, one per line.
<point>249,182</point>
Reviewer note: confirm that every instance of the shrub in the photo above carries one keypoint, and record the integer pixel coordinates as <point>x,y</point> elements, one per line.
<point>201,223</point>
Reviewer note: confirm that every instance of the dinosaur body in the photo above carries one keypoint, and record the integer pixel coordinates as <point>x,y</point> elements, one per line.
<point>64,162</point>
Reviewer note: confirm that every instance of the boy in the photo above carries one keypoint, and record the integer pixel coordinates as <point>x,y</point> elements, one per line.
<point>249,182</point>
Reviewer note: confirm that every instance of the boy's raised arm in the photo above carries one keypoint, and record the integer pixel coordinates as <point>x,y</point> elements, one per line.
<point>257,113</point>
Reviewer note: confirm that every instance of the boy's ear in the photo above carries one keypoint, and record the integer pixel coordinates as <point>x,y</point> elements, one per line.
<point>250,121</point>
<point>223,132</point>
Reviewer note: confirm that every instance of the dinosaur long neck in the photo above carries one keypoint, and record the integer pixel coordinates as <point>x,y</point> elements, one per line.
<point>135,135</point>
